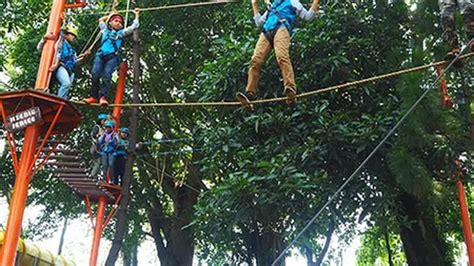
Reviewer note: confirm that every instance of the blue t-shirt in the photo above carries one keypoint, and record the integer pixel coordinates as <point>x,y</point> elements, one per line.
<point>122,147</point>
<point>68,57</point>
<point>112,40</point>
<point>280,10</point>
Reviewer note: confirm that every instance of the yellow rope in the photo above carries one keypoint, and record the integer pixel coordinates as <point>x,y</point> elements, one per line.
<point>301,95</point>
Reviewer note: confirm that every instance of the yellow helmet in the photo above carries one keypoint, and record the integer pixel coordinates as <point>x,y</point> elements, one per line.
<point>71,30</point>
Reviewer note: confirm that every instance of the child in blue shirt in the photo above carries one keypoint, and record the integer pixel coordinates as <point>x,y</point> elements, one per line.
<point>96,132</point>
<point>107,57</point>
<point>65,62</point>
<point>107,144</point>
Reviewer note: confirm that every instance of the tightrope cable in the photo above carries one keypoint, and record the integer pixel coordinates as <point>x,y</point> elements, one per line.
<point>348,85</point>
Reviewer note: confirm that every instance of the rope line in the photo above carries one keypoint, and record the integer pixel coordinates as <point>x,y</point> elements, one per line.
<point>379,145</point>
<point>172,177</point>
<point>168,7</point>
<point>85,47</point>
<point>347,85</point>
<point>126,14</point>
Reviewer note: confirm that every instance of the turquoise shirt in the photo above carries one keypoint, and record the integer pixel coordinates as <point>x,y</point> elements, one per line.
<point>112,40</point>
<point>68,57</point>
<point>288,10</point>
<point>280,14</point>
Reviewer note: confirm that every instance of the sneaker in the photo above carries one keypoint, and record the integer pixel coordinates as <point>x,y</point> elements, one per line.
<point>90,100</point>
<point>290,93</point>
<point>451,55</point>
<point>246,99</point>
<point>103,101</point>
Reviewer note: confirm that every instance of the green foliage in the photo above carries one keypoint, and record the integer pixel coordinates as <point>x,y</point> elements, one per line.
<point>374,249</point>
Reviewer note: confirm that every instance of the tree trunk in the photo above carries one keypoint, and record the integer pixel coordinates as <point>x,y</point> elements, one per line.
<point>309,256</point>
<point>421,240</point>
<point>309,253</point>
<point>61,240</point>
<point>174,243</point>
<point>135,255</point>
<point>179,247</point>
<point>122,214</point>
<point>159,230</point>
<point>389,249</point>
<point>269,247</point>
<point>126,257</point>
<point>332,227</point>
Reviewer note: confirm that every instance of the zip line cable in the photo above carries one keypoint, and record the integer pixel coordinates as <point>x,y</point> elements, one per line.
<point>356,171</point>
<point>348,85</point>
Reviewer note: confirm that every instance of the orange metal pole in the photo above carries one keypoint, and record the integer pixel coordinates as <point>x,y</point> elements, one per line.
<point>76,5</point>
<point>447,101</point>
<point>119,93</point>
<point>466,222</point>
<point>98,231</point>
<point>47,55</point>
<point>20,192</point>
<point>11,143</point>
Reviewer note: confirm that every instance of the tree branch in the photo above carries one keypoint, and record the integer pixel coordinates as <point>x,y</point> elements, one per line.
<point>332,226</point>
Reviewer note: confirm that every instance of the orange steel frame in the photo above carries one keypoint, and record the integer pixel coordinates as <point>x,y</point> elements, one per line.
<point>446,101</point>
<point>466,222</point>
<point>24,167</point>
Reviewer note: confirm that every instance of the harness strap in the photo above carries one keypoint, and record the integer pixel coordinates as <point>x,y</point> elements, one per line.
<point>112,40</point>
<point>270,35</point>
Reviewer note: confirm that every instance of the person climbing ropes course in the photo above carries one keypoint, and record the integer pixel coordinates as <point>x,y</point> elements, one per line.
<point>65,61</point>
<point>276,23</point>
<point>107,57</point>
<point>448,22</point>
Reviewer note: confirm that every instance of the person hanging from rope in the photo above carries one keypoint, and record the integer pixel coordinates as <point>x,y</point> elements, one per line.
<point>120,156</point>
<point>96,132</point>
<point>107,145</point>
<point>276,25</point>
<point>448,22</point>
<point>107,57</point>
<point>65,61</point>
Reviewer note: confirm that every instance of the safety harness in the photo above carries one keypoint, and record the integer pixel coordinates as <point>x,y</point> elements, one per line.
<point>111,36</point>
<point>270,35</point>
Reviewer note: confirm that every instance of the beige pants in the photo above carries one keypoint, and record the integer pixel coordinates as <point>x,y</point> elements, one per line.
<point>261,53</point>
